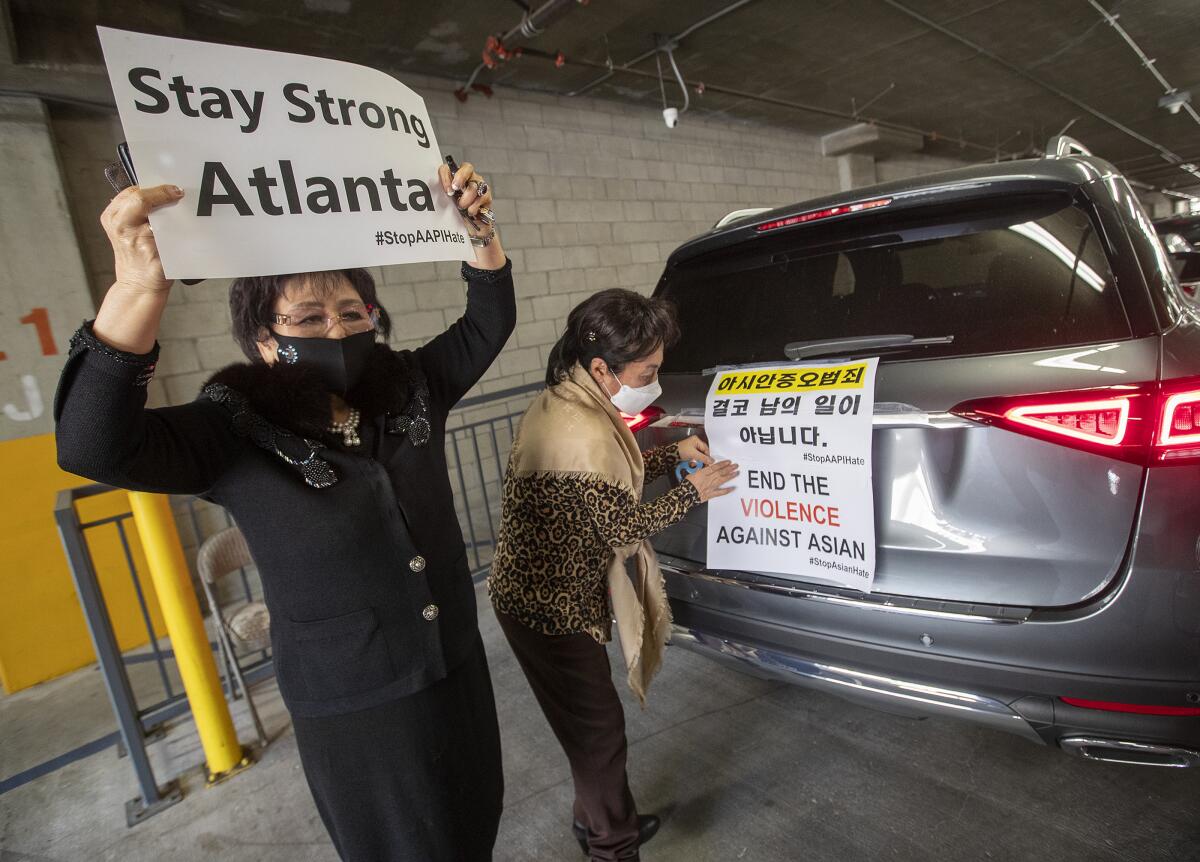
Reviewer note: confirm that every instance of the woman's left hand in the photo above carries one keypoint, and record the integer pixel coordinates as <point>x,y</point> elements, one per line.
<point>693,449</point>
<point>473,196</point>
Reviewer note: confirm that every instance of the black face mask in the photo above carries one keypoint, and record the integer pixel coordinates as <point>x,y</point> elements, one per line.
<point>339,361</point>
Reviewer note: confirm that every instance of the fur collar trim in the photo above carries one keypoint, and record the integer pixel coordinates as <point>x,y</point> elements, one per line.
<point>293,396</point>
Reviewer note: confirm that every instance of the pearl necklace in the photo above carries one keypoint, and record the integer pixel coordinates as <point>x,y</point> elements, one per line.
<point>348,429</point>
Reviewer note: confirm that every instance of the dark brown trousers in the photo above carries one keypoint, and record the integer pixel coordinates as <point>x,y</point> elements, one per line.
<point>571,679</point>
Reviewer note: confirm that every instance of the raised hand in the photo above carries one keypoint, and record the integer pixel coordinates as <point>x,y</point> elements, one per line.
<point>126,220</point>
<point>473,197</point>
<point>129,317</point>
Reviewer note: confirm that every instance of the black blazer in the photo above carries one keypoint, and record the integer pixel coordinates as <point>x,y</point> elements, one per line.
<point>361,556</point>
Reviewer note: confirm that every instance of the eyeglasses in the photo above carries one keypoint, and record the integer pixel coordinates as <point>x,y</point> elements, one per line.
<point>315,324</point>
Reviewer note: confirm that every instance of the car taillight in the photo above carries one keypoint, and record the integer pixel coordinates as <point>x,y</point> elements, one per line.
<point>1153,424</point>
<point>817,215</point>
<point>1100,422</point>
<point>641,420</point>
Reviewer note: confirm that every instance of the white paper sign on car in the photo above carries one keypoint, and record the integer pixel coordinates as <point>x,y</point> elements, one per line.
<point>803,504</point>
<point>288,163</point>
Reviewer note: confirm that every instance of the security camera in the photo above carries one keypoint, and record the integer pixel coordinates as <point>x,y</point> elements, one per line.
<point>671,117</point>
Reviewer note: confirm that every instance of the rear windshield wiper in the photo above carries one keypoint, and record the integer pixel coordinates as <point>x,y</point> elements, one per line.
<point>858,344</point>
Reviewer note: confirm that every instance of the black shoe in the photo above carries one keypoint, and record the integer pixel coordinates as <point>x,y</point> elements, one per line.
<point>647,828</point>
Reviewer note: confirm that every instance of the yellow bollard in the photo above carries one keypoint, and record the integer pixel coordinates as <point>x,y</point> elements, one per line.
<point>189,640</point>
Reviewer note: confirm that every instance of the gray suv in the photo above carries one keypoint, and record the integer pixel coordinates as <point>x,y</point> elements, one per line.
<point>1036,477</point>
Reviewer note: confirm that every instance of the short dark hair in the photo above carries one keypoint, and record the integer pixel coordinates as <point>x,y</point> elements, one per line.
<point>252,301</point>
<point>617,325</point>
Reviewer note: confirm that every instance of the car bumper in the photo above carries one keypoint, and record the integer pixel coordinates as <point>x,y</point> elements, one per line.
<point>840,648</point>
<point>890,694</point>
<point>1094,739</point>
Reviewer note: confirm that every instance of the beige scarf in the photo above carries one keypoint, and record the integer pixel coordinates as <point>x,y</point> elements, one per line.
<point>572,429</point>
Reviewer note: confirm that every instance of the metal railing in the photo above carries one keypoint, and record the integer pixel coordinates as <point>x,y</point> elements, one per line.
<point>478,440</point>
<point>477,452</point>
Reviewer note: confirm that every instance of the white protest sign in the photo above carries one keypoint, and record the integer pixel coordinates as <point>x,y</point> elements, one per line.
<point>803,504</point>
<point>288,163</point>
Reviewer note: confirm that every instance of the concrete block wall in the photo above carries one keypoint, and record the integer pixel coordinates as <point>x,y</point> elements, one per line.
<point>912,164</point>
<point>590,194</point>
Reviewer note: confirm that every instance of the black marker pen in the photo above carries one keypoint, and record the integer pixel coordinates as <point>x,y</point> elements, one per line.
<point>453,166</point>
<point>485,215</point>
<point>457,193</point>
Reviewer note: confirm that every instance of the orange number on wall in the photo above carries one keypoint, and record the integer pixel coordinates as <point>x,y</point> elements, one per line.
<point>39,318</point>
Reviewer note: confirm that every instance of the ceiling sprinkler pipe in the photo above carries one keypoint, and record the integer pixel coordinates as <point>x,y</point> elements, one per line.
<point>528,29</point>
<point>626,66</point>
<point>1029,76</point>
<point>818,110</point>
<point>532,24</point>
<point>1173,99</point>
<point>798,106</point>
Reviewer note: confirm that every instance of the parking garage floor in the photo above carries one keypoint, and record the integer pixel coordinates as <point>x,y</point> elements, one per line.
<point>740,769</point>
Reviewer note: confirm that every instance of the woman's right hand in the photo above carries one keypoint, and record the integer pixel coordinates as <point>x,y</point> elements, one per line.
<point>709,481</point>
<point>126,220</point>
<point>132,310</point>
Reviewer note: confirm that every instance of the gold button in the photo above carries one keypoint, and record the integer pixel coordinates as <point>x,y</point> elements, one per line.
<point>417,564</point>
<point>430,613</point>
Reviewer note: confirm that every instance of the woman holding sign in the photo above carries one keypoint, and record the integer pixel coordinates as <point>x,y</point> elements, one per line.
<point>327,448</point>
<point>572,519</point>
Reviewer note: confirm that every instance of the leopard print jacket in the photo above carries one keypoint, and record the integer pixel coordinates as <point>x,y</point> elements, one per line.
<point>557,534</point>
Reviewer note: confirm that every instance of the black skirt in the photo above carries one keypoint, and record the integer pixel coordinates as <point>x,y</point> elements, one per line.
<point>417,779</point>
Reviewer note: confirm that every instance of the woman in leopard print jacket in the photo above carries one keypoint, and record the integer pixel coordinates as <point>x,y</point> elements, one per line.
<point>572,519</point>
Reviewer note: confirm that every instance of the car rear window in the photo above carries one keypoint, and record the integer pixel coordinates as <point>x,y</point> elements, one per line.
<point>1021,278</point>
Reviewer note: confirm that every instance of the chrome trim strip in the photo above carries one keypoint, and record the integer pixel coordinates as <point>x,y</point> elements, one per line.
<point>800,592</point>
<point>889,608</point>
<point>869,689</point>
<point>1109,751</point>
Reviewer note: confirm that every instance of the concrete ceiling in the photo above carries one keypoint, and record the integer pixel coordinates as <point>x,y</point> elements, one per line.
<point>981,78</point>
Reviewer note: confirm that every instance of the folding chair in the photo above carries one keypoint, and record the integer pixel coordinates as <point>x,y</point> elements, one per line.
<point>245,624</point>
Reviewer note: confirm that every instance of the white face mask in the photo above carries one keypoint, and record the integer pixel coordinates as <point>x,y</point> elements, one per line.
<point>633,401</point>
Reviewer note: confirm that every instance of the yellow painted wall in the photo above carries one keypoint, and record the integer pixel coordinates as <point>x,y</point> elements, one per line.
<point>42,629</point>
